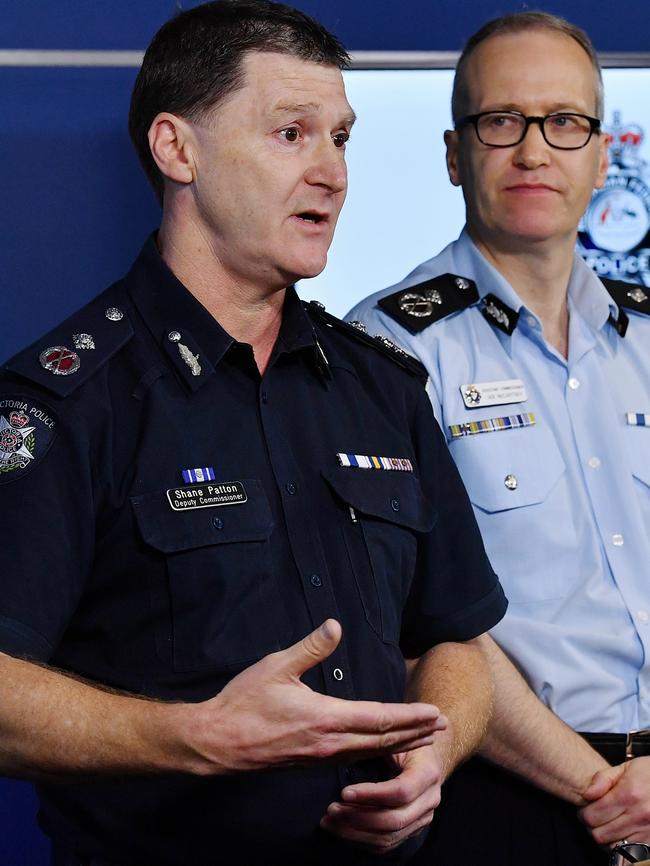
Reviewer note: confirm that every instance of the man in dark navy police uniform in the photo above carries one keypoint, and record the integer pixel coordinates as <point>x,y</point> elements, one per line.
<point>231,518</point>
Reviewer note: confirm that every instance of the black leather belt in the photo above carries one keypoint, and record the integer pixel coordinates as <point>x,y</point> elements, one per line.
<point>617,748</point>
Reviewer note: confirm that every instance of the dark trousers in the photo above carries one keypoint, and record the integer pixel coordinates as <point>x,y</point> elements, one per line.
<point>489,816</point>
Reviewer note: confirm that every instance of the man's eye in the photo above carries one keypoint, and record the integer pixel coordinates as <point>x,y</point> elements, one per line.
<point>500,121</point>
<point>562,121</point>
<point>290,134</point>
<point>341,139</point>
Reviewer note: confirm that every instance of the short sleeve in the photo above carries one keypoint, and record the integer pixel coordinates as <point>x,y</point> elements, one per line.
<point>47,525</point>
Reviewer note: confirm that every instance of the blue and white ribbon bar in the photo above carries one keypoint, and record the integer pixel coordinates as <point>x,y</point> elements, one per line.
<point>202,473</point>
<point>491,425</point>
<point>638,419</point>
<point>364,461</point>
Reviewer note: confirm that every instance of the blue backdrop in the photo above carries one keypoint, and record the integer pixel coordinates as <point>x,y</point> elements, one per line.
<point>75,207</point>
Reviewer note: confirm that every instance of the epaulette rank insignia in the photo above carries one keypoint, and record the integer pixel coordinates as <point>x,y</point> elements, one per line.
<point>425,303</point>
<point>95,333</point>
<point>379,342</point>
<point>629,295</point>
<point>499,314</point>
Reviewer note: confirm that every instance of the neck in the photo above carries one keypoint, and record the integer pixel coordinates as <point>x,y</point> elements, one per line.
<point>540,275</point>
<point>247,311</point>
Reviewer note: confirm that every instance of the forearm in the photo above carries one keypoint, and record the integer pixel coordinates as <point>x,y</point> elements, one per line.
<point>456,678</point>
<point>54,727</point>
<point>525,737</point>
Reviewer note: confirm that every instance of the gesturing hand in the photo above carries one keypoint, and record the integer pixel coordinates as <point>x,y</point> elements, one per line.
<point>382,815</point>
<point>267,717</point>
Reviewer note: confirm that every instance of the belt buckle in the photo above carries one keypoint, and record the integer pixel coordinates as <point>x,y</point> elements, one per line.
<point>631,737</point>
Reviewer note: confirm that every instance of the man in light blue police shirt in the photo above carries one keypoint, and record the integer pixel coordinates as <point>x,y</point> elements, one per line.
<point>538,377</point>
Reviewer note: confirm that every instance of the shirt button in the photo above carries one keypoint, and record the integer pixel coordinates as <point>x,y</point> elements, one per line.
<point>315,580</point>
<point>532,321</point>
<point>394,504</point>
<point>618,540</point>
<point>290,487</point>
<point>574,383</point>
<point>643,693</point>
<point>265,398</point>
<point>217,522</point>
<point>642,615</point>
<point>511,482</point>
<point>337,673</point>
<point>594,462</point>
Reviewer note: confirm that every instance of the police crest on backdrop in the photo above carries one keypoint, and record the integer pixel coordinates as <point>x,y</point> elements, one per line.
<point>614,233</point>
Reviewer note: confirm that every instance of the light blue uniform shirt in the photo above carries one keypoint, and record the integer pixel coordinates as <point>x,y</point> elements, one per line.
<point>571,543</point>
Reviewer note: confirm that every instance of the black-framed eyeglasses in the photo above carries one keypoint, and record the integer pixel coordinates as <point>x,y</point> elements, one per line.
<point>562,130</point>
<point>629,852</point>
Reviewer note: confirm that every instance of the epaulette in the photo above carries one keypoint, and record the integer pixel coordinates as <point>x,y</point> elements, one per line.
<point>629,295</point>
<point>61,361</point>
<point>421,305</point>
<point>379,343</point>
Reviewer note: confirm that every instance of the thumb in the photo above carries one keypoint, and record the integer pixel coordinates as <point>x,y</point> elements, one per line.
<point>603,781</point>
<point>311,650</point>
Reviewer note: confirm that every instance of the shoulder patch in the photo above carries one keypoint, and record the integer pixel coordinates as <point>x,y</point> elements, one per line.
<point>70,354</point>
<point>425,303</point>
<point>632,296</point>
<point>27,429</point>
<point>380,343</point>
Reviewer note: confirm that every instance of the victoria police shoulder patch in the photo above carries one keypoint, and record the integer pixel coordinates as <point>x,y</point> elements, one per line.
<point>27,430</point>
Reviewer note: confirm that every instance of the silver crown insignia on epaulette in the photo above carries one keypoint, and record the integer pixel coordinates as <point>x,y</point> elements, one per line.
<point>390,345</point>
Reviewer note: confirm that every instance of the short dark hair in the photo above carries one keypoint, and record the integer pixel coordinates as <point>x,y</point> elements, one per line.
<point>521,22</point>
<point>195,60</point>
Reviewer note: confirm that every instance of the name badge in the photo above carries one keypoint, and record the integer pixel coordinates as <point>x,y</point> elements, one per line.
<point>206,495</point>
<point>493,393</point>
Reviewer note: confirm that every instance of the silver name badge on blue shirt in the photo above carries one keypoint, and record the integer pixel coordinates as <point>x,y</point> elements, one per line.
<point>206,495</point>
<point>501,393</point>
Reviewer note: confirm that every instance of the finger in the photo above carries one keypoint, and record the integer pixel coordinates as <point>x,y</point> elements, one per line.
<point>603,781</point>
<point>392,793</point>
<point>381,821</point>
<point>379,831</point>
<point>602,811</point>
<point>313,649</point>
<point>359,747</point>
<point>622,827</point>
<point>372,717</point>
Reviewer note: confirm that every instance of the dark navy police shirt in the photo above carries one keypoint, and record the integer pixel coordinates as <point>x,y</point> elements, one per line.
<point>123,568</point>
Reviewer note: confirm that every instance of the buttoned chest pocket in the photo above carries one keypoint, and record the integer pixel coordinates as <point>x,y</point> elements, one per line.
<point>383,512</point>
<point>219,577</point>
<point>515,481</point>
<point>637,448</point>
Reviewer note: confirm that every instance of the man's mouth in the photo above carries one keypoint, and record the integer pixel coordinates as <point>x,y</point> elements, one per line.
<point>311,217</point>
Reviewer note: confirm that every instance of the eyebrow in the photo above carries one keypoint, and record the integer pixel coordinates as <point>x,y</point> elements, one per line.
<point>297,108</point>
<point>555,108</point>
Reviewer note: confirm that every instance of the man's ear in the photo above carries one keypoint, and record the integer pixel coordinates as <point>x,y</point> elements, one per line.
<point>452,143</point>
<point>170,140</point>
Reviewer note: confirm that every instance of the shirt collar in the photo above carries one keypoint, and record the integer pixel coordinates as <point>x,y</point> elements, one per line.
<point>190,337</point>
<point>586,294</point>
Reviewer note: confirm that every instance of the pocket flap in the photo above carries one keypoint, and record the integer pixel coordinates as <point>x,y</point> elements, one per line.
<point>170,531</point>
<point>637,445</point>
<point>393,496</point>
<point>528,458</point>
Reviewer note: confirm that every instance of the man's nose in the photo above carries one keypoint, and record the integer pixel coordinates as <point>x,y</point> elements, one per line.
<point>328,167</point>
<point>533,150</point>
